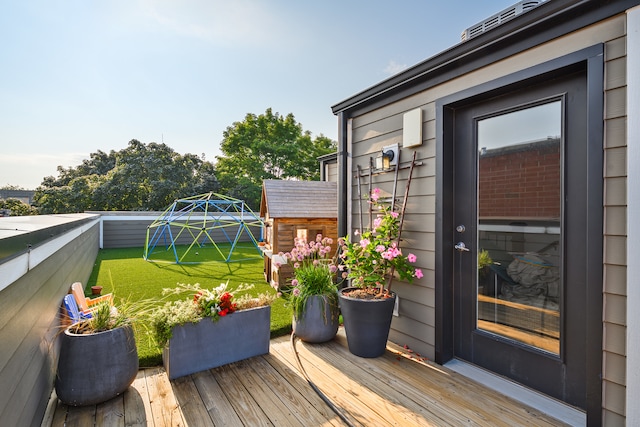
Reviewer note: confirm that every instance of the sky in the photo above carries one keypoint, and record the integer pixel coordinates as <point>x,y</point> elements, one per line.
<point>78,76</point>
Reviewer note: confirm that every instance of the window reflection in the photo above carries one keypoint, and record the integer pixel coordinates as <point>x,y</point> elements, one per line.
<point>519,225</point>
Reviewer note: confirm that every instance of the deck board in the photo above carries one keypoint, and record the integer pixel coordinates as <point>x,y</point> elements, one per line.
<point>397,388</point>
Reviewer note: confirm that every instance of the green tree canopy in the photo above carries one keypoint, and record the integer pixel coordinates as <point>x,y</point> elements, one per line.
<point>268,146</point>
<point>138,177</point>
<point>16,207</point>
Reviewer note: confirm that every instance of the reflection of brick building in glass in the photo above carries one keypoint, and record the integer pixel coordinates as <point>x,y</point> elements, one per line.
<point>520,181</point>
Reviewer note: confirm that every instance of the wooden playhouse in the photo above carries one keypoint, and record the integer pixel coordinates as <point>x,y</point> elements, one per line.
<point>293,209</point>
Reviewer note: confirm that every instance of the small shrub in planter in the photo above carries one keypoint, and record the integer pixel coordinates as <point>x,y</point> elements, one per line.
<point>210,328</point>
<point>313,293</point>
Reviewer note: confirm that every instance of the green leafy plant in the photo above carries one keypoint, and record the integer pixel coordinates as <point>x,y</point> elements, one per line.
<point>106,316</point>
<point>314,271</point>
<point>202,303</point>
<point>484,259</point>
<point>376,257</point>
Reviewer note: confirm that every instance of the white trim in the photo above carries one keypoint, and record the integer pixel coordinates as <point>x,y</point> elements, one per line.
<point>547,405</point>
<point>633,214</point>
<point>14,269</point>
<point>101,236</point>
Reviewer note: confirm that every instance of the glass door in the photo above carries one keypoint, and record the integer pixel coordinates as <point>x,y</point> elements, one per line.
<point>519,280</point>
<point>519,209</point>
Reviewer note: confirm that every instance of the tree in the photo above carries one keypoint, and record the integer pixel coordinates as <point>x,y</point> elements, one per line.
<point>268,146</point>
<point>16,207</point>
<point>139,177</point>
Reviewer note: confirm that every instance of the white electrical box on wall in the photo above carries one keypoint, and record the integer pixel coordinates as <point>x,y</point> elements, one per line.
<point>412,128</point>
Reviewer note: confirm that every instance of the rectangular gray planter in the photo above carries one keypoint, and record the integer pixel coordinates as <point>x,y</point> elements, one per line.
<point>195,347</point>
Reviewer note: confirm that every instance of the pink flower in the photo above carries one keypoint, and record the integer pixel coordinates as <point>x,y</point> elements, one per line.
<point>380,248</point>
<point>411,258</point>
<point>394,214</point>
<point>364,243</point>
<point>294,282</point>
<point>418,273</point>
<point>377,222</point>
<point>296,292</point>
<point>375,194</point>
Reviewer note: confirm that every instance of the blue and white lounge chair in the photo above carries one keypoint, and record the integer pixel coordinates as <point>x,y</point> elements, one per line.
<point>72,310</point>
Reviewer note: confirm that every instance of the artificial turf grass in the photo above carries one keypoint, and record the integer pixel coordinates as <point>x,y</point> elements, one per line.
<point>128,276</point>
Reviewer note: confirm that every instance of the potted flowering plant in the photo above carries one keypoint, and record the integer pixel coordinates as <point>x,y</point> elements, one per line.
<point>372,263</point>
<point>313,294</point>
<point>210,328</point>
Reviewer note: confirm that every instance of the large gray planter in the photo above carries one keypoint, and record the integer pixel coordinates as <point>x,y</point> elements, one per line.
<point>366,323</point>
<point>94,368</point>
<point>195,347</point>
<point>319,320</point>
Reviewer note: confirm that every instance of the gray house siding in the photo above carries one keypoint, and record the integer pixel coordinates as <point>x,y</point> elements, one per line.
<point>374,122</point>
<point>30,319</point>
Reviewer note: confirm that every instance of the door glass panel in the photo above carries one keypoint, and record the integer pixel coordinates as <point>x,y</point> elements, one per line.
<point>519,279</point>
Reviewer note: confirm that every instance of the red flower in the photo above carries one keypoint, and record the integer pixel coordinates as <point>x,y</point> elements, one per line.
<point>197,296</point>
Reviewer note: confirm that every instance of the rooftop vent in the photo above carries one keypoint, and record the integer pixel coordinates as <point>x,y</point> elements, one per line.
<point>499,18</point>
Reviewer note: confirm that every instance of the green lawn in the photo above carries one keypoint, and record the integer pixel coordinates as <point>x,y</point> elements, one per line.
<point>125,273</point>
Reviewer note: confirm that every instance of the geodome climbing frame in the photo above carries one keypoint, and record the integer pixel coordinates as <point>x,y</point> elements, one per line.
<point>199,220</point>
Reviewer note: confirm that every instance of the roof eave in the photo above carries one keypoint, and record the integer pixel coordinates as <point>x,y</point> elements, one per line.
<point>509,32</point>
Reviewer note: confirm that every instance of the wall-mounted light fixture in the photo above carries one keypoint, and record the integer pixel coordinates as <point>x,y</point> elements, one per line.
<point>388,157</point>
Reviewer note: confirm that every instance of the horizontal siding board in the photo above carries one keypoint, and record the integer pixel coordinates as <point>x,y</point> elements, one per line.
<point>615,191</point>
<point>616,309</point>
<point>615,338</point>
<point>615,250</point>
<point>615,221</point>
<point>396,109</point>
<point>615,132</point>
<point>615,48</point>
<point>378,129</point>
<point>615,162</point>
<point>614,368</point>
<point>421,291</point>
<point>29,313</point>
<point>614,395</point>
<point>418,340</point>
<point>416,311</point>
<point>615,101</point>
<point>615,279</point>
<point>615,73</point>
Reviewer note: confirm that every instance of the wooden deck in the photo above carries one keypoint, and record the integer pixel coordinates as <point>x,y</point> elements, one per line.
<point>395,389</point>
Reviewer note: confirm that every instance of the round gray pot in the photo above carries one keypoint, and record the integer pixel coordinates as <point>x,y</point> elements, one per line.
<point>319,320</point>
<point>94,368</point>
<point>366,323</point>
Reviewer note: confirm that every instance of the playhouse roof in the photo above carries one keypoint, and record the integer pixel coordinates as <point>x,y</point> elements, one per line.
<point>299,199</point>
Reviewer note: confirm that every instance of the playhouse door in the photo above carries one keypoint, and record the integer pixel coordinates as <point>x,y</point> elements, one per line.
<point>519,240</point>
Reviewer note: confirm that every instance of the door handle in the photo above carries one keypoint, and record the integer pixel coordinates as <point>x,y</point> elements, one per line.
<point>461,247</point>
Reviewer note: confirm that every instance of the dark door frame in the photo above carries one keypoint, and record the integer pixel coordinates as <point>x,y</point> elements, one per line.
<point>593,59</point>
